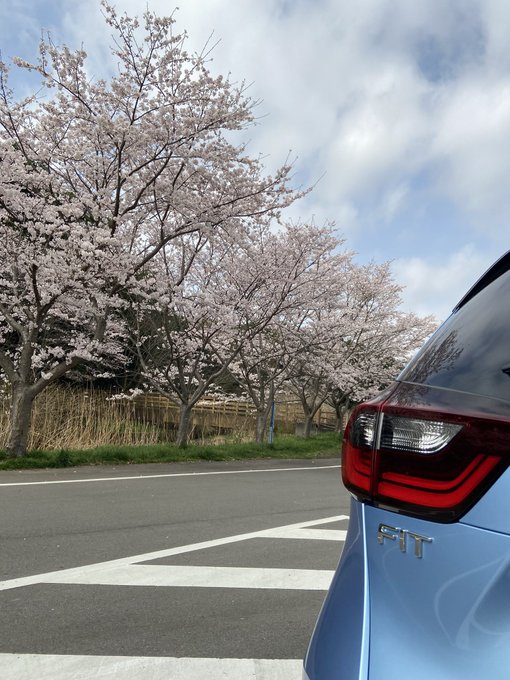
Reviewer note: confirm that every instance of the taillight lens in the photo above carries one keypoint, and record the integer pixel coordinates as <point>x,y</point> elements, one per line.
<point>424,458</point>
<point>357,450</point>
<point>415,435</point>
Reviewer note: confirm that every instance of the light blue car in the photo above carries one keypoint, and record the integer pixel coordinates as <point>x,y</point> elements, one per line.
<point>422,591</point>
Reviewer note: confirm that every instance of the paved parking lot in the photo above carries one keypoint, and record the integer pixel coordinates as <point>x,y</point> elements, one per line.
<point>227,605</point>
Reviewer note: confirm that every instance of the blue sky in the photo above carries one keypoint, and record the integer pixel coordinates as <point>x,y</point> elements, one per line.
<point>399,109</point>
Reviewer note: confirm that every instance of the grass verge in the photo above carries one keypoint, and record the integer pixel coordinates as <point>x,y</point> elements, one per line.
<point>321,445</point>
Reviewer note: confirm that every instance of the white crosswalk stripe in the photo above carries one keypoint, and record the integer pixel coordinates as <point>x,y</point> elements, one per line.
<point>57,667</point>
<point>199,577</point>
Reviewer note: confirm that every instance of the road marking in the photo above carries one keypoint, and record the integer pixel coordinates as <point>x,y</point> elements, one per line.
<point>172,474</point>
<point>129,572</point>
<point>92,571</point>
<point>67,667</point>
<point>307,534</point>
<point>171,576</point>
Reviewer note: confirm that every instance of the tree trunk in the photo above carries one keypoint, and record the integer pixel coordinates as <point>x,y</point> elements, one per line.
<point>261,426</point>
<point>308,426</point>
<point>341,410</point>
<point>339,417</point>
<point>20,420</point>
<point>184,425</point>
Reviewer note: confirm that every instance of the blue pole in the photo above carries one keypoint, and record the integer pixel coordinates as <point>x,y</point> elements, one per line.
<point>271,423</point>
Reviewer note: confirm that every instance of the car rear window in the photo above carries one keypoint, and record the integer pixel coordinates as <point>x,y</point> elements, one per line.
<point>470,352</point>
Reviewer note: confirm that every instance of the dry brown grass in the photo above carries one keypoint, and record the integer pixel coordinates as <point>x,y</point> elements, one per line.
<point>66,418</point>
<point>73,419</point>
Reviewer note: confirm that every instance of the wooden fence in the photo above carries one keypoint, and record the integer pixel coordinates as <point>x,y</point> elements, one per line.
<point>228,415</point>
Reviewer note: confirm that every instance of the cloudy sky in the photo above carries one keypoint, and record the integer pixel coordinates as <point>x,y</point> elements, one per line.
<point>398,110</point>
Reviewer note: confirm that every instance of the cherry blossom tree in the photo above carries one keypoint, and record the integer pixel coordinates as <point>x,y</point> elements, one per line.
<point>358,345</point>
<point>260,370</point>
<point>53,283</point>
<point>234,293</point>
<point>264,362</point>
<point>98,178</point>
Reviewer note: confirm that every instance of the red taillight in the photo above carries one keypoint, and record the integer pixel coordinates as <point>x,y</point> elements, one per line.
<point>357,455</point>
<point>405,454</point>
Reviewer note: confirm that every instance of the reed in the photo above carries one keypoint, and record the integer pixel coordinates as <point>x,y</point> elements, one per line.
<point>67,418</point>
<point>70,418</point>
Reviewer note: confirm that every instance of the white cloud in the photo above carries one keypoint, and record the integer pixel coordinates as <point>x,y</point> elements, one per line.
<point>473,146</point>
<point>435,287</point>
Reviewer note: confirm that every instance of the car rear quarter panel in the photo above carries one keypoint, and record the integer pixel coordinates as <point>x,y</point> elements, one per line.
<point>445,616</point>
<point>339,646</point>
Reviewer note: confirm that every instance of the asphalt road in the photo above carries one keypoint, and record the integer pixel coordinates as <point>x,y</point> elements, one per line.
<point>185,571</point>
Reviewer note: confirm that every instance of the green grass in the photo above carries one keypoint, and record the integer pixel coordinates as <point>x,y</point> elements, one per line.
<point>319,446</point>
